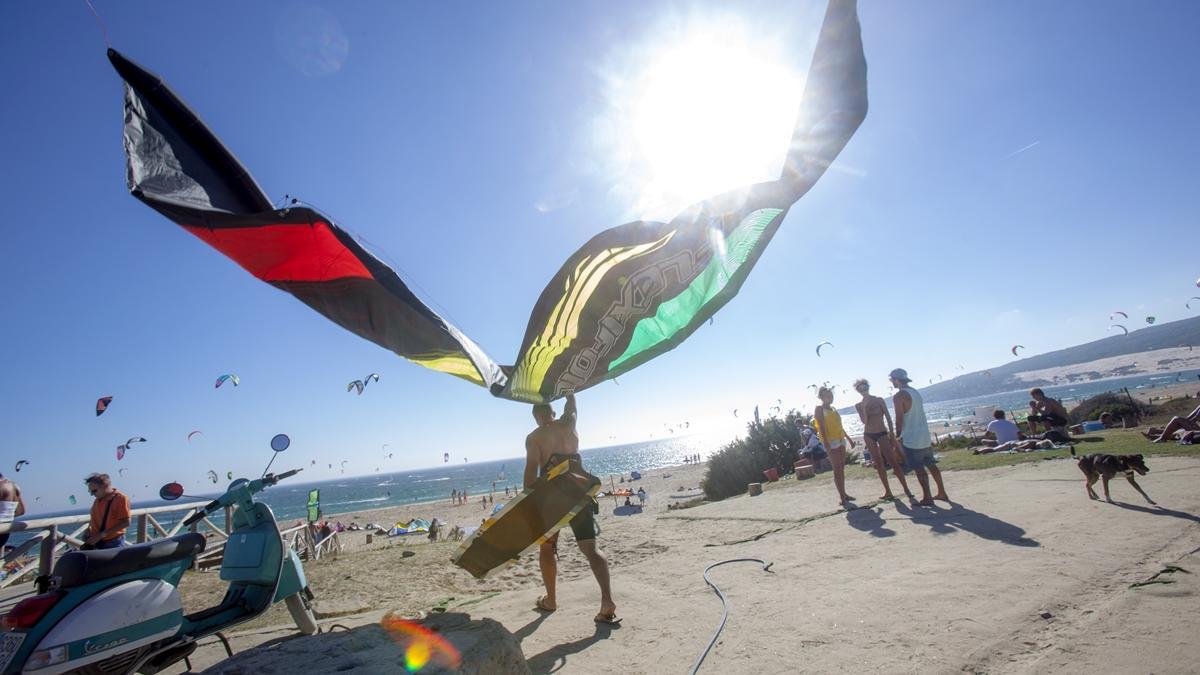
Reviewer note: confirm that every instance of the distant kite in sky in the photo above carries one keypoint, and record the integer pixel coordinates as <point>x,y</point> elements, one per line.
<point>212,475</point>
<point>189,436</point>
<point>124,447</point>
<point>1150,320</point>
<point>102,404</point>
<point>228,377</point>
<point>1114,315</point>
<point>1188,304</point>
<point>1124,330</point>
<point>71,499</point>
<point>20,463</point>
<point>1015,348</point>
<point>445,457</point>
<point>630,294</point>
<point>823,344</point>
<point>356,384</point>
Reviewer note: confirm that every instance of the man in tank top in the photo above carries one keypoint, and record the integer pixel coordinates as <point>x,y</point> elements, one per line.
<point>913,429</point>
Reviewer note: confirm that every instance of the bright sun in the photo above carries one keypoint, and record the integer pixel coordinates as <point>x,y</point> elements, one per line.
<point>712,112</point>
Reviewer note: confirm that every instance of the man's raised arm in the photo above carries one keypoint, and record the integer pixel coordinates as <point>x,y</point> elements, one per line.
<point>569,411</point>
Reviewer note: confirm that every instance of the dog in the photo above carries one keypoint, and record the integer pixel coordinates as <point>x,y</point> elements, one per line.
<point>1095,467</point>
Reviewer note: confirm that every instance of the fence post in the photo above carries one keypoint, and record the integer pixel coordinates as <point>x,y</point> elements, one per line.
<point>46,556</point>
<point>141,535</point>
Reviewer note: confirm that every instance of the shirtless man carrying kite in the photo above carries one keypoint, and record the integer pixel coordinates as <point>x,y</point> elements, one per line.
<point>553,441</point>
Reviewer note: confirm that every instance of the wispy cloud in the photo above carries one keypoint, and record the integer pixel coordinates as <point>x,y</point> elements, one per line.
<point>1014,153</point>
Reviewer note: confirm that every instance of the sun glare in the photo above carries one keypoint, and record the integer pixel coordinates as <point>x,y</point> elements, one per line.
<point>710,112</point>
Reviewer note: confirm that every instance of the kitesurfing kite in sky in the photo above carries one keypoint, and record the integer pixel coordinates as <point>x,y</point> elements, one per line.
<point>102,404</point>
<point>1015,348</point>
<point>227,377</point>
<point>823,344</point>
<point>629,294</point>
<point>1123,328</point>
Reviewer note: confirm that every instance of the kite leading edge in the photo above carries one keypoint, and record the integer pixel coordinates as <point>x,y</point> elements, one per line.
<point>629,294</point>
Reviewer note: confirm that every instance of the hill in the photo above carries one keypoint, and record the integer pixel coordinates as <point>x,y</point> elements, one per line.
<point>1164,347</point>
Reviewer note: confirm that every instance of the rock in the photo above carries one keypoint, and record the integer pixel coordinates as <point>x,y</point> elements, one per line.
<point>485,647</point>
<point>407,554</point>
<point>1046,615</point>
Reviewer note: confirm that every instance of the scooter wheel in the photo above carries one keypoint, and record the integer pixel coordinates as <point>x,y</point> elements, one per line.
<point>298,606</point>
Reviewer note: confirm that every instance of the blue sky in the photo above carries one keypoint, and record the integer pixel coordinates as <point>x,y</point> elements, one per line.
<point>476,146</point>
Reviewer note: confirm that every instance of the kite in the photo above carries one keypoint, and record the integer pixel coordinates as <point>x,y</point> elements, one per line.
<point>367,380</point>
<point>1197,283</point>
<point>102,404</point>
<point>1150,320</point>
<point>1187,304</point>
<point>445,457</point>
<point>229,475</point>
<point>227,377</point>
<point>1117,325</point>
<point>212,475</point>
<point>735,412</point>
<point>124,447</point>
<point>121,471</point>
<point>357,384</point>
<point>71,499</point>
<point>1114,314</point>
<point>823,344</point>
<point>629,294</point>
<point>189,436</point>
<point>20,463</point>
<point>1015,348</point>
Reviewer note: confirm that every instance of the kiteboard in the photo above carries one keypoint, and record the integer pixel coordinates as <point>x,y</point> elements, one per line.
<point>528,521</point>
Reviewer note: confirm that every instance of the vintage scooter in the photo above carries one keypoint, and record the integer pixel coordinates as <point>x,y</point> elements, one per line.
<point>119,611</point>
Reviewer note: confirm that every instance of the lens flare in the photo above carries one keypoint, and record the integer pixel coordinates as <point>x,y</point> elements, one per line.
<point>421,645</point>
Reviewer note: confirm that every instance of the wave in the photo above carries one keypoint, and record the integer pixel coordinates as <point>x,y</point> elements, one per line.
<point>434,480</point>
<point>360,501</point>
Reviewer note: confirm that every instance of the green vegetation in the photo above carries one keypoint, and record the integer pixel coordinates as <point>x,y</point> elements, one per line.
<point>1119,405</point>
<point>773,443</point>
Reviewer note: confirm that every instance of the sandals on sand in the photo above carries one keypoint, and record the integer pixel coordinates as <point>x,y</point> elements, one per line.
<point>541,605</point>
<point>610,619</point>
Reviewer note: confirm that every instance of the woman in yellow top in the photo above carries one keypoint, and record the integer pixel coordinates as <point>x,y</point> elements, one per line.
<point>834,438</point>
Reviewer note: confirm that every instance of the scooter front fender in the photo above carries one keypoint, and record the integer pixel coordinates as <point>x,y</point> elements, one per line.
<point>291,579</point>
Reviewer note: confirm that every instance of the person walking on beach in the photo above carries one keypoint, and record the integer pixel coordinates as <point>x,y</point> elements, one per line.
<point>553,441</point>
<point>913,429</point>
<point>12,504</point>
<point>109,516</point>
<point>834,438</point>
<point>879,436</point>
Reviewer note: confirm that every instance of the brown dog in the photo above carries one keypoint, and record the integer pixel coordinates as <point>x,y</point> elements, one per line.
<point>1095,467</point>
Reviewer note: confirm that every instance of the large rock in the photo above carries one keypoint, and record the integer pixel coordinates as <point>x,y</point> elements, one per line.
<point>485,646</point>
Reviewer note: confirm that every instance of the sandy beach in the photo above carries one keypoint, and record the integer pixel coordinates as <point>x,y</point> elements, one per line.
<point>1022,573</point>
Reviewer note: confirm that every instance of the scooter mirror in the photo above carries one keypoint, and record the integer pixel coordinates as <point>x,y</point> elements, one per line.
<point>170,492</point>
<point>280,442</point>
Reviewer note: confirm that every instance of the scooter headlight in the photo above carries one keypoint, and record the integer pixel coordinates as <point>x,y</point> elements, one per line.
<point>43,658</point>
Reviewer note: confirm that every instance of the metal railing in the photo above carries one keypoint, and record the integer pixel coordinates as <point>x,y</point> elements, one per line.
<point>52,541</point>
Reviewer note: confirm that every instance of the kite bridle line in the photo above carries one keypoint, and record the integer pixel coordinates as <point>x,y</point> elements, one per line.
<point>99,22</point>
<point>766,566</point>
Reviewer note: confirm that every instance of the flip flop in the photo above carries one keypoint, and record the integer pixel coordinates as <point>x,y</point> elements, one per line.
<point>540,606</point>
<point>610,619</point>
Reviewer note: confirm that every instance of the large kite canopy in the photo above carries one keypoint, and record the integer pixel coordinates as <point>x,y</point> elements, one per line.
<point>102,404</point>
<point>629,294</point>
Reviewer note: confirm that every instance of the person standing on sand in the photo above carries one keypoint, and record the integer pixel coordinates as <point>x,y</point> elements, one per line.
<point>880,438</point>
<point>550,443</point>
<point>913,429</point>
<point>834,438</point>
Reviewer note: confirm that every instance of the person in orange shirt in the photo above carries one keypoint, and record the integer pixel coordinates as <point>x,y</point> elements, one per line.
<point>110,514</point>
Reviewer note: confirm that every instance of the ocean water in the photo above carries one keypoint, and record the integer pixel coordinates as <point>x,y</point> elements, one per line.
<point>288,500</point>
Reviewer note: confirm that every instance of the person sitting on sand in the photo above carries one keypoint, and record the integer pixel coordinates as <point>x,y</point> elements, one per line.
<point>811,448</point>
<point>879,437</point>
<point>549,444</point>
<point>834,438</point>
<point>913,429</point>
<point>1177,424</point>
<point>1047,411</point>
<point>1002,435</point>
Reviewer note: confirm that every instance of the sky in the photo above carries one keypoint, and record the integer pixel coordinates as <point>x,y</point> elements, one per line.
<point>1025,169</point>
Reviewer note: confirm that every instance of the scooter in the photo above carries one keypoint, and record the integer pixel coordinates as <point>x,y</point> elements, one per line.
<point>119,610</point>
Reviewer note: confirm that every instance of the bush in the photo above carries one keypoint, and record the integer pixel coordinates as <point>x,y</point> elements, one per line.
<point>1118,405</point>
<point>773,443</point>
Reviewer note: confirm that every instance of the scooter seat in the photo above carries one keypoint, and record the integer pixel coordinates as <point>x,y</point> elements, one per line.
<point>83,567</point>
